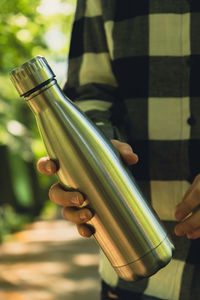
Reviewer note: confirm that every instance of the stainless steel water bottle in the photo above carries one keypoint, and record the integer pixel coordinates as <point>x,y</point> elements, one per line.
<point>126,227</point>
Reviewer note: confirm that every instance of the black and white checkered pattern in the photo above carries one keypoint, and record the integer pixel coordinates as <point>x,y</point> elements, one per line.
<point>135,68</point>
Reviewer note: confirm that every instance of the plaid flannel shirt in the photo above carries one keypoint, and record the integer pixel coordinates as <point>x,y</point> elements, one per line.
<point>134,67</point>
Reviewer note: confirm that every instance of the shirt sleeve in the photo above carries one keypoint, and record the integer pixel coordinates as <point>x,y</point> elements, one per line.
<point>91,82</point>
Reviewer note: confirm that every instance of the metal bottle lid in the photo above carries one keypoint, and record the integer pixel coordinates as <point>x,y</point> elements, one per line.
<point>31,75</point>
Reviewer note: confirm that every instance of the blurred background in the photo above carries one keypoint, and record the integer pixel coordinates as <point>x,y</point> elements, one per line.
<point>41,255</point>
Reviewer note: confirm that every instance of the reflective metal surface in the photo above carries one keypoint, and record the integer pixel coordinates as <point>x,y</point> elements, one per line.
<point>31,74</point>
<point>126,227</point>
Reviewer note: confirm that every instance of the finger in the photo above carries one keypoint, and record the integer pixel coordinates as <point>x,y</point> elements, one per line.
<point>190,198</point>
<point>85,230</point>
<point>188,204</point>
<point>196,180</point>
<point>126,152</point>
<point>189,225</point>
<point>77,216</point>
<point>65,198</point>
<point>46,166</point>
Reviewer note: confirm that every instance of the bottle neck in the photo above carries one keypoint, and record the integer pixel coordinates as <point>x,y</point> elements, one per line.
<point>39,89</point>
<point>47,98</point>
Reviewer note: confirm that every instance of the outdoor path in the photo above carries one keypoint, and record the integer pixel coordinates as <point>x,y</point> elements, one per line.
<point>49,261</point>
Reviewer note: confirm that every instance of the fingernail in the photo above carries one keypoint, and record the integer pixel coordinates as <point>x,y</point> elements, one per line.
<point>48,167</point>
<point>75,200</point>
<point>85,215</point>
<point>83,232</point>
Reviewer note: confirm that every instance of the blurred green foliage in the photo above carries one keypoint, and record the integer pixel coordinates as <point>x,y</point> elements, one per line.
<point>27,29</point>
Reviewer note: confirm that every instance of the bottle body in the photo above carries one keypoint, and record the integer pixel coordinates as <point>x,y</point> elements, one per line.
<point>126,227</point>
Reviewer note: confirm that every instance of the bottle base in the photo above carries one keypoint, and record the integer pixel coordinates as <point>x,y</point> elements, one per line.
<point>149,264</point>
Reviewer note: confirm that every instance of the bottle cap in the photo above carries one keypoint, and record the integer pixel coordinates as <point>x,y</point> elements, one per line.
<point>31,75</point>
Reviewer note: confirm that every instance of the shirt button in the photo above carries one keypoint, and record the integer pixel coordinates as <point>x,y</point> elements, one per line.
<point>191,121</point>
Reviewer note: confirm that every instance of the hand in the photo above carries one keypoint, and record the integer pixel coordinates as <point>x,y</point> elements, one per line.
<point>188,212</point>
<point>71,201</point>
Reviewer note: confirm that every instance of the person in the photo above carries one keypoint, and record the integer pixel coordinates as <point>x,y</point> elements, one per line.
<point>134,69</point>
